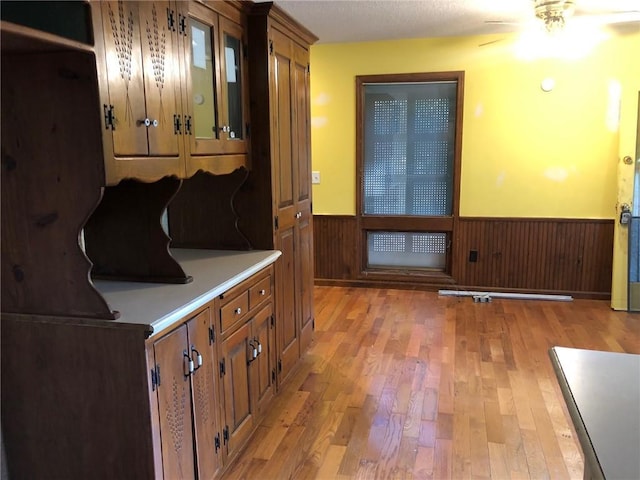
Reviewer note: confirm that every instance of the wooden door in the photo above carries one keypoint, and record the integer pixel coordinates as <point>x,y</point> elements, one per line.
<point>301,139</point>
<point>262,366</point>
<point>233,84</point>
<point>237,389</point>
<point>159,24</point>
<point>174,404</point>
<point>140,82</point>
<point>204,391</point>
<point>202,79</point>
<point>284,179</point>
<point>125,76</point>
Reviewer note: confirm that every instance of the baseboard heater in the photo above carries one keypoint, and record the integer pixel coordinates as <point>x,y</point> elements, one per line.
<point>487,296</point>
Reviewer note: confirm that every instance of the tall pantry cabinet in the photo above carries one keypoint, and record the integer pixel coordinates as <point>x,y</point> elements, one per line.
<point>280,180</point>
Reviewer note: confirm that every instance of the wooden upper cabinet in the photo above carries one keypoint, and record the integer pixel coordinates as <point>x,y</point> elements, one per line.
<point>215,86</point>
<point>142,110</point>
<point>173,87</point>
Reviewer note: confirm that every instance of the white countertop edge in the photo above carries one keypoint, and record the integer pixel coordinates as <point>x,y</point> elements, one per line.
<point>170,319</point>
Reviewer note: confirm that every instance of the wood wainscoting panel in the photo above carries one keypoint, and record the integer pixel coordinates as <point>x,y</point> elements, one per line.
<point>335,247</point>
<point>551,255</point>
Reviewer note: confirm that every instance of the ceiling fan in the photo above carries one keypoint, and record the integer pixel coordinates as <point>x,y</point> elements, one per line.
<point>554,14</point>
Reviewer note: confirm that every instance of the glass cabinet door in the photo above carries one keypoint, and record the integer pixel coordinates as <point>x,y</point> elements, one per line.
<point>203,82</point>
<point>233,85</point>
<point>203,92</point>
<point>215,90</point>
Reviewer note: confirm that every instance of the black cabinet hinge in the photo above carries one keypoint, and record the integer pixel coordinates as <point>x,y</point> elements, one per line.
<point>313,324</point>
<point>182,25</point>
<point>222,368</point>
<point>171,21</point>
<point>109,118</point>
<point>270,47</point>
<point>177,125</point>
<point>275,222</point>
<point>216,441</point>
<point>273,321</point>
<point>225,434</point>
<point>155,377</point>
<point>273,374</point>
<point>308,68</point>
<point>187,124</point>
<point>212,335</point>
<point>279,365</point>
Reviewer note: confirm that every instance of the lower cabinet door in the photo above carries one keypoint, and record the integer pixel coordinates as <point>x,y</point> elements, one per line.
<point>262,369</point>
<point>234,366</point>
<point>174,404</point>
<point>204,392</point>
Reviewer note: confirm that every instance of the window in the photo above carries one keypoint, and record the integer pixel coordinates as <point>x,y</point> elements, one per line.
<point>409,136</point>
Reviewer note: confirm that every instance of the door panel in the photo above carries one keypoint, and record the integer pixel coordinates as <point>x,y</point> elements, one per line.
<point>202,79</point>
<point>232,74</point>
<point>282,105</point>
<point>302,128</point>
<point>125,75</point>
<point>161,77</point>
<point>204,393</point>
<point>305,278</point>
<point>262,365</point>
<point>174,405</point>
<point>287,320</point>
<point>237,390</point>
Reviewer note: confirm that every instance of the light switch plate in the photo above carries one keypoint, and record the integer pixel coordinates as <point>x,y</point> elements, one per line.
<point>315,177</point>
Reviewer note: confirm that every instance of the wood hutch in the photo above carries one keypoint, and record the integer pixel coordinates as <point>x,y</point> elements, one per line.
<point>156,232</point>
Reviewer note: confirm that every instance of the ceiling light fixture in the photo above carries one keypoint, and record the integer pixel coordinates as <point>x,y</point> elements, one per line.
<point>553,13</point>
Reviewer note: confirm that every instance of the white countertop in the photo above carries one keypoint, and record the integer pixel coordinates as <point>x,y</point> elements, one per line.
<point>160,305</point>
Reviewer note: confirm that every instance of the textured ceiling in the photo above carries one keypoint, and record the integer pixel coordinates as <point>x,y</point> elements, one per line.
<point>336,21</point>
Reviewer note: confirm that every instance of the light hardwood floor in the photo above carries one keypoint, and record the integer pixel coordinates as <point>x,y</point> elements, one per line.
<point>410,385</point>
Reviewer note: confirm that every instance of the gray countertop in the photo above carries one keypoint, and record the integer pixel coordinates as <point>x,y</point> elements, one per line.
<point>161,305</point>
<point>602,393</point>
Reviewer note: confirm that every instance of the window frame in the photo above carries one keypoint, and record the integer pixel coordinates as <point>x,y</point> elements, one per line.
<point>405,223</point>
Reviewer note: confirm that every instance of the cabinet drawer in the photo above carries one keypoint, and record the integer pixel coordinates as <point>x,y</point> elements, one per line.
<point>234,311</point>
<point>260,292</point>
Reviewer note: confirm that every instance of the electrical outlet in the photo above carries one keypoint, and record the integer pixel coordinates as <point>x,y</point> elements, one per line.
<point>315,177</point>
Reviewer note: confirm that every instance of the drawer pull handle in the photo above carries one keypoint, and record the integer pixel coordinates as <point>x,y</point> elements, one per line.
<point>262,292</point>
<point>238,311</point>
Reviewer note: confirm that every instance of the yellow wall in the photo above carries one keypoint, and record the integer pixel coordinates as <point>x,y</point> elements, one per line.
<point>525,153</point>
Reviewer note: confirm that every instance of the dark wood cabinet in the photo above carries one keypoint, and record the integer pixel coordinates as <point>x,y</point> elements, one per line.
<point>280,178</point>
<point>137,46</point>
<point>247,357</point>
<point>234,367</point>
<point>98,140</point>
<point>173,87</point>
<point>216,86</point>
<point>179,404</point>
<point>185,384</point>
